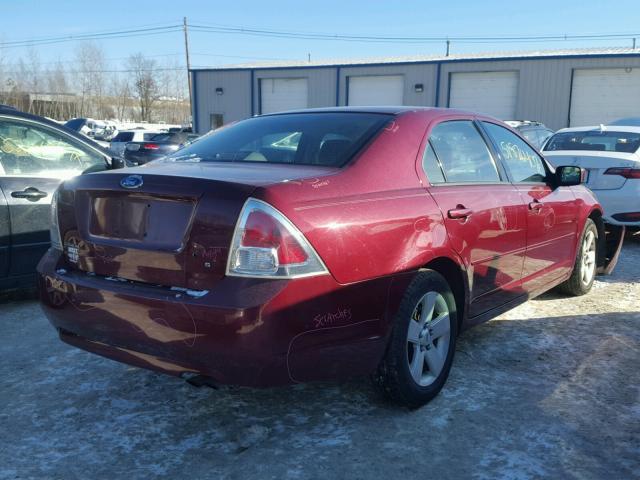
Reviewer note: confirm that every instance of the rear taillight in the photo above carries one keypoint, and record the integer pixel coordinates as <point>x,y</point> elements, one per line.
<point>266,244</point>
<point>54,228</point>
<point>150,146</point>
<point>624,172</point>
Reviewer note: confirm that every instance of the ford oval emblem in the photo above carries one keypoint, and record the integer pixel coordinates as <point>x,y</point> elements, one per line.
<point>132,181</point>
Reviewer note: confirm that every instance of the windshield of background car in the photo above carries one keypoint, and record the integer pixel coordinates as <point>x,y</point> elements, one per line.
<point>327,139</point>
<point>607,141</point>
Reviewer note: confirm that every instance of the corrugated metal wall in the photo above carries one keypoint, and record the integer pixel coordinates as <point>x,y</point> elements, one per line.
<point>544,91</point>
<point>234,103</point>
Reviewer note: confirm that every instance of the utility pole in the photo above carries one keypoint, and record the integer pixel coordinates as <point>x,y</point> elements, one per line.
<point>448,45</point>
<point>186,50</point>
<point>634,43</point>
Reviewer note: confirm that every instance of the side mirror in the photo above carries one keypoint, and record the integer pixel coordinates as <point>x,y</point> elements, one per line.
<point>117,162</point>
<point>569,175</point>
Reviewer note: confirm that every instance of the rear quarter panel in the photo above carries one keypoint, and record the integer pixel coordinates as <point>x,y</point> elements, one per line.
<point>586,203</point>
<point>372,218</point>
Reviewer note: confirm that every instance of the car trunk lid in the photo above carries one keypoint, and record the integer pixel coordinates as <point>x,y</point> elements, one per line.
<point>173,226</point>
<point>596,163</point>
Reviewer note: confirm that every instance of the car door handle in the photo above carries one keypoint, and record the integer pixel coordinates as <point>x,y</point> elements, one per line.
<point>536,206</point>
<point>460,213</point>
<point>30,193</point>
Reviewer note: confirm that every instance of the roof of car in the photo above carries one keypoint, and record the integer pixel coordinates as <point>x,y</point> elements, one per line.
<point>524,123</point>
<point>603,128</point>
<point>389,110</point>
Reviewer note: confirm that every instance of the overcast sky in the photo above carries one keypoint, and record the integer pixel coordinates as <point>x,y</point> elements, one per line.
<point>27,19</point>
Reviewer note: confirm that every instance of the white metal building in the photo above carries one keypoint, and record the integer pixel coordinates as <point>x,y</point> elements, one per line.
<point>559,88</point>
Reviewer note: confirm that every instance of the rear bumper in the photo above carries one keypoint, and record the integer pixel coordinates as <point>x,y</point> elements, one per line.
<point>245,331</point>
<point>620,201</point>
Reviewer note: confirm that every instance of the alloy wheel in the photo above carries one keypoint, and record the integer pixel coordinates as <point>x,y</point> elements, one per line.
<point>588,257</point>
<point>428,338</point>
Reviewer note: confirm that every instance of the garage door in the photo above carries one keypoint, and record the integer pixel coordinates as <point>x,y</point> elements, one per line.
<point>602,95</point>
<point>492,93</point>
<point>278,94</point>
<point>376,90</point>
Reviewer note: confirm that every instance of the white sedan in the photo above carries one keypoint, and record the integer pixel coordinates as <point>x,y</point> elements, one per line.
<point>611,156</point>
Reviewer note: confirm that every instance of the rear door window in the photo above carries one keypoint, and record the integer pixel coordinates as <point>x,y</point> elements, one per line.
<point>463,153</point>
<point>523,163</point>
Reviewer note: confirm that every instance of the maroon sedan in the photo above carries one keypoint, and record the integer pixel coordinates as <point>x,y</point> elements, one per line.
<point>317,245</point>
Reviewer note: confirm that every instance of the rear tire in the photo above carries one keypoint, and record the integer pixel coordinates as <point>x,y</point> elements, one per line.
<point>584,269</point>
<point>420,352</point>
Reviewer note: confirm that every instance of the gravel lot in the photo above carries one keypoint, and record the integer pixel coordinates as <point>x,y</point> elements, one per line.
<point>550,389</point>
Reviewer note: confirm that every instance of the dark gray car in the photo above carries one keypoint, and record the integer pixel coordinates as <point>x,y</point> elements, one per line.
<point>36,154</point>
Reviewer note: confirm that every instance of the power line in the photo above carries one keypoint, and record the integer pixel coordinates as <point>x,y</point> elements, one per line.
<point>288,34</point>
<point>136,32</point>
<point>128,70</point>
<point>204,28</point>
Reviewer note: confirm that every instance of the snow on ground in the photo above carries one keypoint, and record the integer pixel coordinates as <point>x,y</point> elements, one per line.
<point>550,389</point>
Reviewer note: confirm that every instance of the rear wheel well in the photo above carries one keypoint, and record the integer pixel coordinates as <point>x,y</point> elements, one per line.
<point>454,276</point>
<point>596,216</point>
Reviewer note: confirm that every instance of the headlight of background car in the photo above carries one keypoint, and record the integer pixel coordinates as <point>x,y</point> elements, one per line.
<point>54,229</point>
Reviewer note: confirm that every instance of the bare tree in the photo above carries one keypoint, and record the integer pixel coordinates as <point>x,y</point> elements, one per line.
<point>120,92</point>
<point>145,87</point>
<point>90,67</point>
<point>58,87</point>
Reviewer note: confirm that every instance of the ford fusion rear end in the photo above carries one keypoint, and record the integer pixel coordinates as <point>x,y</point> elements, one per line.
<point>183,267</point>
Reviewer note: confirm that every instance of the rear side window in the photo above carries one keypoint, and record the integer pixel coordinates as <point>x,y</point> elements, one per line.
<point>431,165</point>
<point>524,164</point>
<point>123,137</point>
<point>462,152</point>
<point>327,139</point>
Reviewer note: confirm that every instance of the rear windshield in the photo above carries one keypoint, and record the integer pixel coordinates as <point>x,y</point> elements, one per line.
<point>328,139</point>
<point>173,137</point>
<point>606,141</point>
<point>123,137</point>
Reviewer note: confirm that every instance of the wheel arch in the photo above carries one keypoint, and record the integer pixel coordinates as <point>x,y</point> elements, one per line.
<point>596,216</point>
<point>457,280</point>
